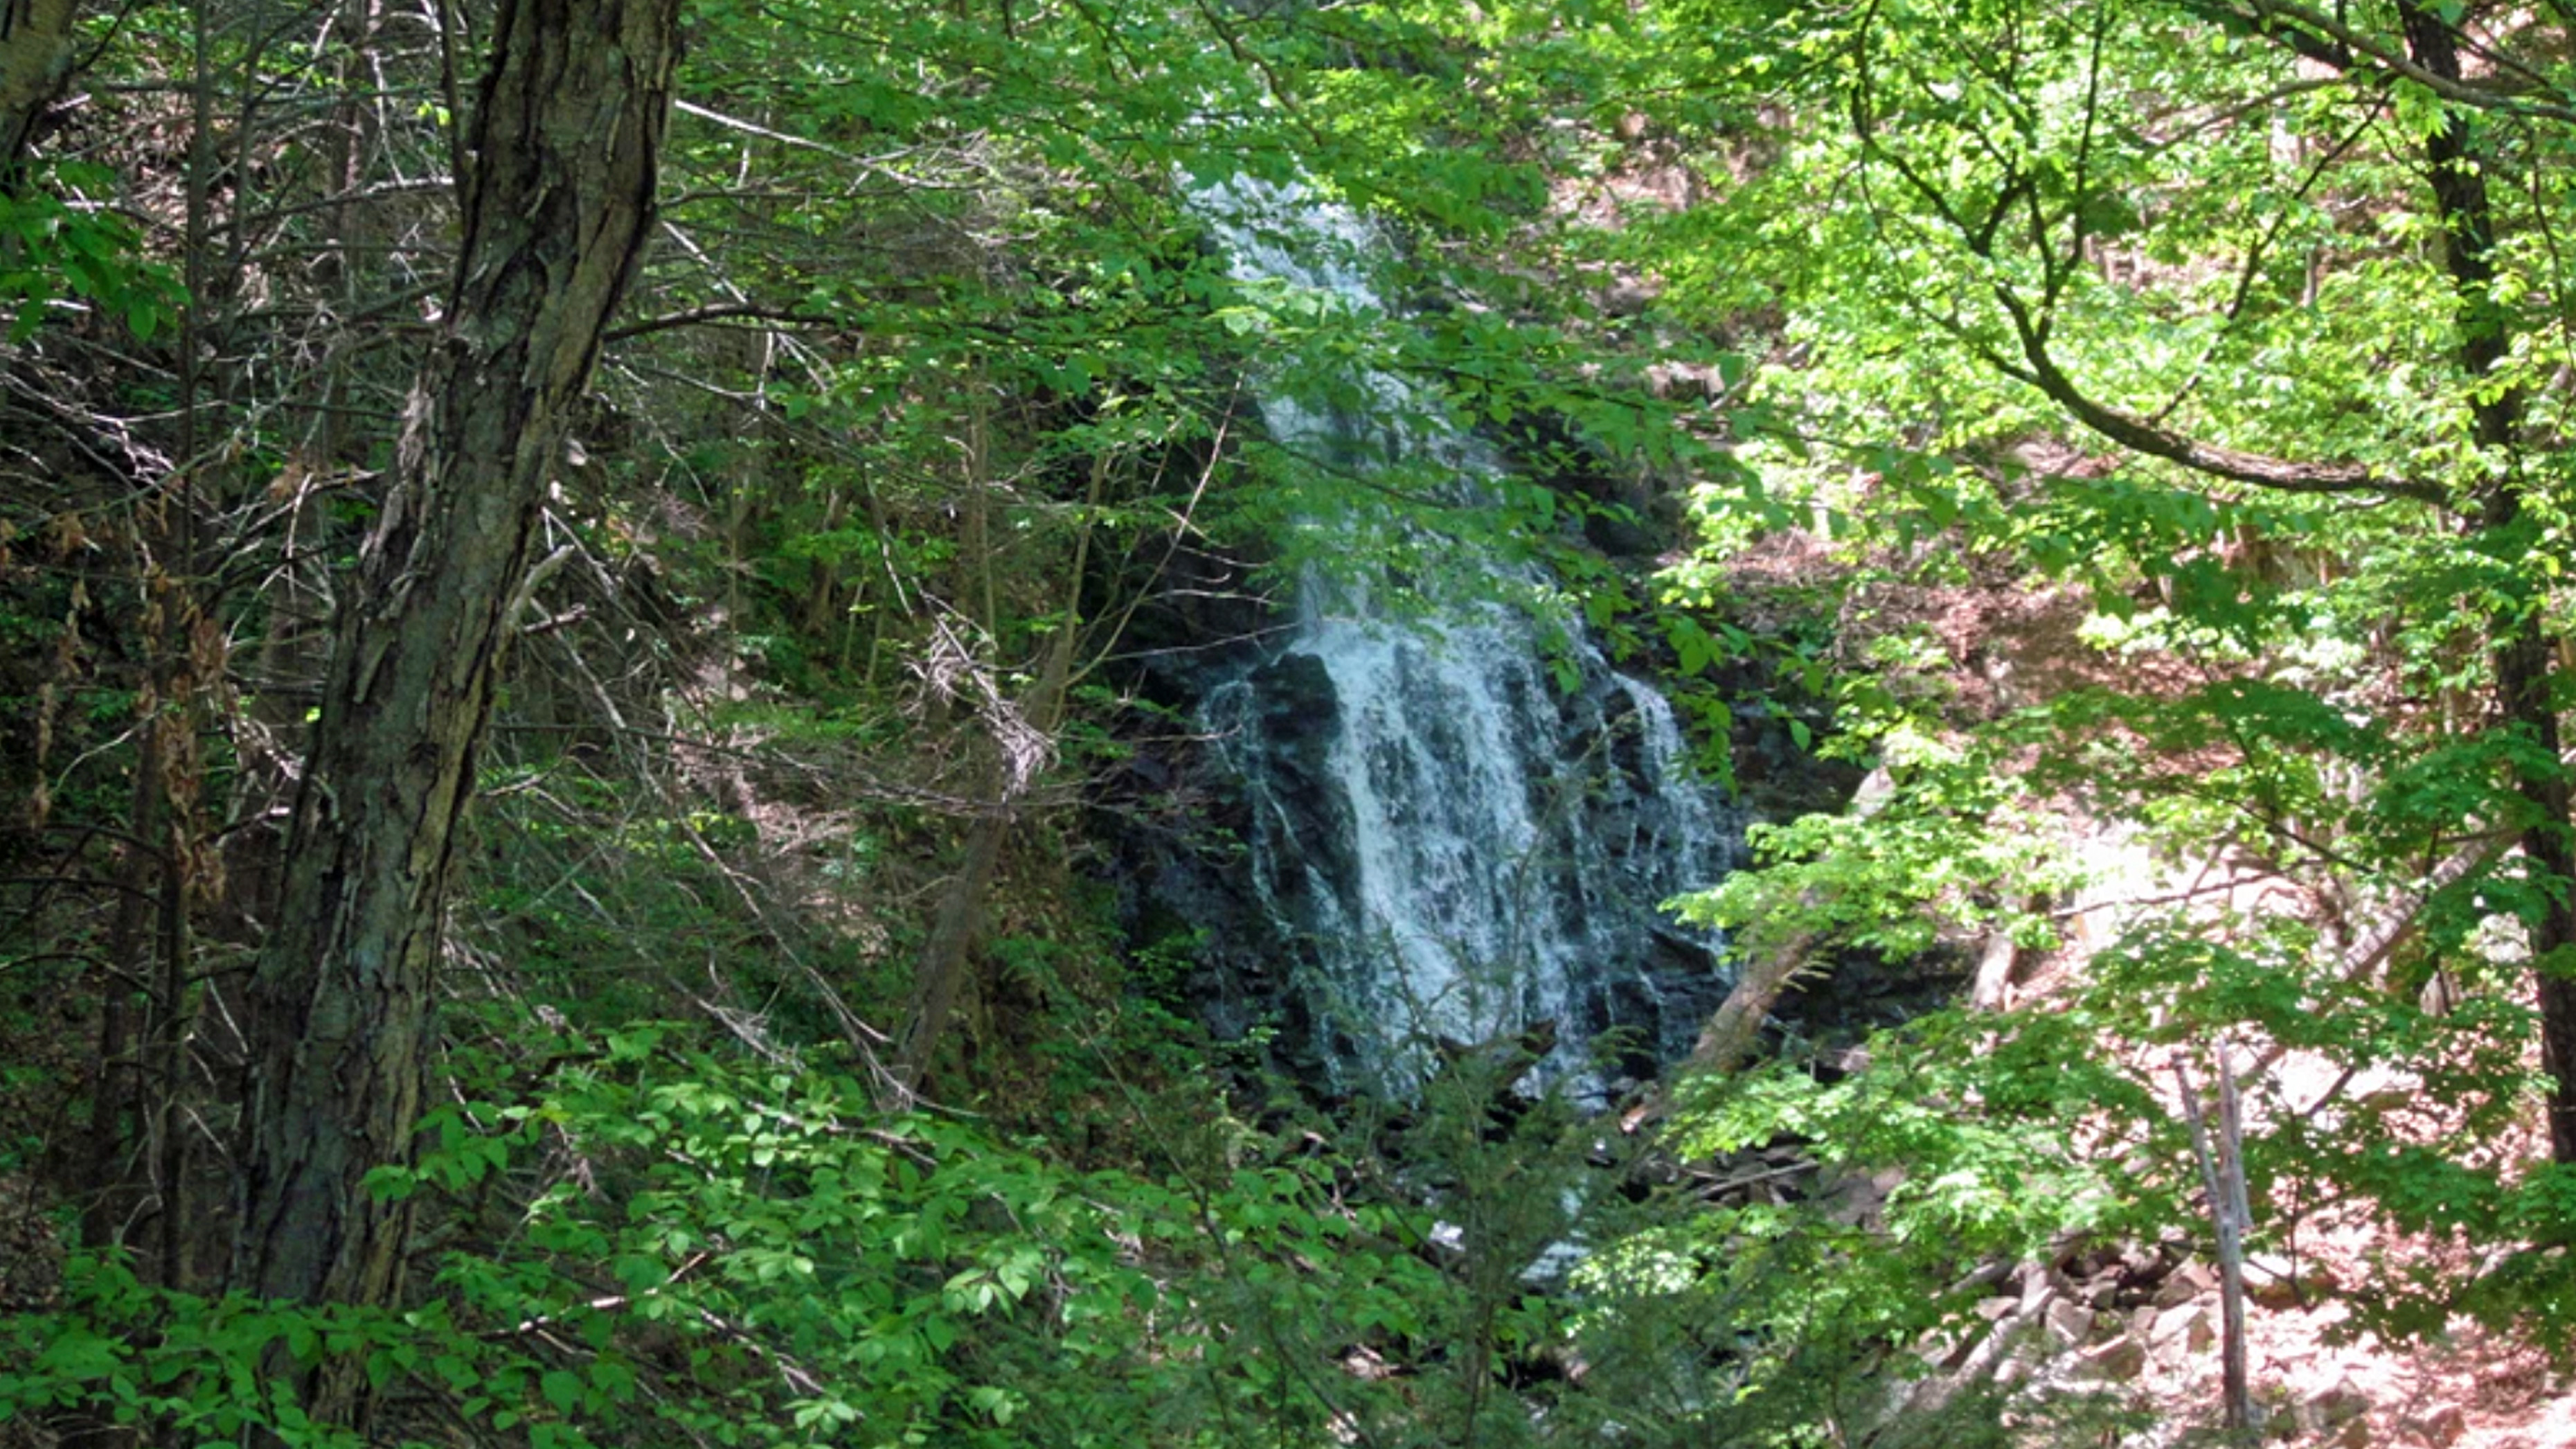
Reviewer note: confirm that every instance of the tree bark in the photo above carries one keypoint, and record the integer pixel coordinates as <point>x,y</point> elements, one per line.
<point>2222,1172</point>
<point>1727,1040</point>
<point>1023,739</point>
<point>1023,742</point>
<point>35,65</point>
<point>2521,651</point>
<point>565,141</point>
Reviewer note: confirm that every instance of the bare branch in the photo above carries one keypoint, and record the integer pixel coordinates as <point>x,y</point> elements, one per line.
<point>718,312</point>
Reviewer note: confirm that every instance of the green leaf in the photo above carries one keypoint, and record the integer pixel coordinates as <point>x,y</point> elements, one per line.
<point>563,1389</point>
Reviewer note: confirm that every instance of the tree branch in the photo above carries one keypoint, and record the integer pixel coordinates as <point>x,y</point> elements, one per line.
<point>2327,39</point>
<point>718,312</point>
<point>2157,441</point>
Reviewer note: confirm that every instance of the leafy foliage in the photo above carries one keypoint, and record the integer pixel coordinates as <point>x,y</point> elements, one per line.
<point>935,409</point>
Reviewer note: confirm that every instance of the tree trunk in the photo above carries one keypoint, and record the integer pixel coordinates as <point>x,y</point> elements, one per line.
<point>555,210</point>
<point>947,952</point>
<point>35,65</point>
<point>2521,651</point>
<point>1727,1040</point>
<point>2222,1173</point>
<point>1023,742</point>
<point>1023,739</point>
<point>2525,692</point>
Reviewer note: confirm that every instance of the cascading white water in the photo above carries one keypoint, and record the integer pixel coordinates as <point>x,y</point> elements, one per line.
<point>1458,845</point>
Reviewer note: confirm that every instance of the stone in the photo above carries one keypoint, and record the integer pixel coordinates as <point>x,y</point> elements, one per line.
<point>2184,1329</point>
<point>2119,1361</point>
<point>2039,1284</point>
<point>2330,1409</point>
<point>1995,1310</point>
<point>2190,1279</point>
<point>2008,1342</point>
<point>2071,1321</point>
<point>2438,1427</point>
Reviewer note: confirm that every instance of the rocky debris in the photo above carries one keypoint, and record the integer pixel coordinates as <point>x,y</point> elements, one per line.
<point>2085,1314</point>
<point>2334,1406</point>
<point>2118,1361</point>
<point>2281,1283</point>
<point>2040,1283</point>
<point>2183,1330</point>
<point>2338,1414</point>
<point>2086,1298</point>
<point>2189,1280</point>
<point>1855,1199</point>
<point>2069,1321</point>
<point>2438,1427</point>
<point>2134,1319</point>
<point>1363,1362</point>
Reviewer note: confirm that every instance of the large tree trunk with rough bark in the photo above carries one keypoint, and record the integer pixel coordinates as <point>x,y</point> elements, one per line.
<point>556,208</point>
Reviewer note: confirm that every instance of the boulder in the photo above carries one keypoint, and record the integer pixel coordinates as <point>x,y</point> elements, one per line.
<point>2183,1330</point>
<point>2330,1409</point>
<point>2039,1284</point>
<point>2190,1279</point>
<point>2118,1361</point>
<point>2439,1427</point>
<point>2071,1322</point>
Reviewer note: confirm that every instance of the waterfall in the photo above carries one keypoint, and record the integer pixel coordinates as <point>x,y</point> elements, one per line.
<point>1454,843</point>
